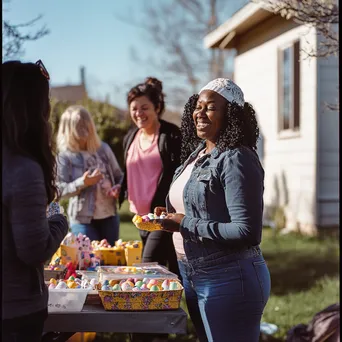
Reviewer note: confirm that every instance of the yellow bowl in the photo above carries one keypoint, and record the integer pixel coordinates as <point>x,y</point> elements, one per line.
<point>149,226</point>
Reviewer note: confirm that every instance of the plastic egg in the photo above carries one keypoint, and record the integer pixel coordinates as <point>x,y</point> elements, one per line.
<point>139,283</point>
<point>150,216</point>
<point>78,281</point>
<point>106,282</point>
<point>173,285</point>
<point>62,285</point>
<point>116,287</point>
<point>131,280</point>
<point>122,281</point>
<point>53,281</point>
<point>130,283</point>
<point>72,284</point>
<point>71,278</point>
<point>135,289</point>
<point>144,287</point>
<point>162,216</point>
<point>154,288</point>
<point>126,287</point>
<point>105,288</point>
<point>153,282</point>
<point>166,284</point>
<point>112,282</point>
<point>145,280</point>
<point>52,286</point>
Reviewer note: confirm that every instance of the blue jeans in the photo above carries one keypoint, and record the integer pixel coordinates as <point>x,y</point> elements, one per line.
<point>226,297</point>
<point>107,228</point>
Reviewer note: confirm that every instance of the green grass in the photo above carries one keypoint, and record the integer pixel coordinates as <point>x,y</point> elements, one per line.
<point>304,274</point>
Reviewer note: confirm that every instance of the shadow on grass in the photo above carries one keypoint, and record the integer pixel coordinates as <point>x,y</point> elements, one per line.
<point>295,270</point>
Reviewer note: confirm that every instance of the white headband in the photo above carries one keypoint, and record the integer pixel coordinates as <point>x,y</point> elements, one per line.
<point>226,88</point>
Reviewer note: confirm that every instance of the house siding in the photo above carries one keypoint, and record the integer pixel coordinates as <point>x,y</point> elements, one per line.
<point>289,161</point>
<point>328,143</point>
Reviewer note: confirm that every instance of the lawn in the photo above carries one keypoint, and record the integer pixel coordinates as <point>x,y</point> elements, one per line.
<point>304,273</point>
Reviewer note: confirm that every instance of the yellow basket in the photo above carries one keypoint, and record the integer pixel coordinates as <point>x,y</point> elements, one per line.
<point>113,256</point>
<point>67,254</point>
<point>133,254</point>
<point>149,226</point>
<point>141,300</point>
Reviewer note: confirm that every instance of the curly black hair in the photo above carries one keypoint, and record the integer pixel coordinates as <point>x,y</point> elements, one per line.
<point>240,128</point>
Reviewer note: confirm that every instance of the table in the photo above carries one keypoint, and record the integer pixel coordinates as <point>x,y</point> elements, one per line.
<point>95,318</point>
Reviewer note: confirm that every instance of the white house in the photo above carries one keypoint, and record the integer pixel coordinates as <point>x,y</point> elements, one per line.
<point>289,92</point>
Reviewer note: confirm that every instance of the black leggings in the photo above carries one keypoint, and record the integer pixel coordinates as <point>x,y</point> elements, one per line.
<point>27,328</point>
<point>158,247</point>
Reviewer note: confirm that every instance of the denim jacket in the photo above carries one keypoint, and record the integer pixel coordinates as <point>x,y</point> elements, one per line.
<point>223,202</point>
<point>70,170</point>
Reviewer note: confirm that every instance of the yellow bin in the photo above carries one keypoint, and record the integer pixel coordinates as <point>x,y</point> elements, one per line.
<point>67,254</point>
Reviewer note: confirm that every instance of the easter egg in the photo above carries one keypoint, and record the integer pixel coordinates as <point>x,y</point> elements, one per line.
<point>52,286</point>
<point>166,284</point>
<point>105,288</point>
<point>72,284</point>
<point>139,283</point>
<point>113,282</point>
<point>144,287</point>
<point>62,285</point>
<point>173,285</point>
<point>116,287</point>
<point>126,287</point>
<point>154,288</point>
<point>106,282</point>
<point>131,280</point>
<point>150,216</point>
<point>71,278</point>
<point>153,282</point>
<point>145,280</point>
<point>122,281</point>
<point>53,281</point>
<point>135,289</point>
<point>130,283</point>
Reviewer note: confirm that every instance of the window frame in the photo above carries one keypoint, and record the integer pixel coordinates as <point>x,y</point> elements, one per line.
<point>294,112</point>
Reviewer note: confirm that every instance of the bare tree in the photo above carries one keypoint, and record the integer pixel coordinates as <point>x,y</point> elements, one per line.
<point>14,37</point>
<point>321,14</point>
<point>177,29</point>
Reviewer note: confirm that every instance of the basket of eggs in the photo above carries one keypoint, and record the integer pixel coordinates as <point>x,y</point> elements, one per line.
<point>149,222</point>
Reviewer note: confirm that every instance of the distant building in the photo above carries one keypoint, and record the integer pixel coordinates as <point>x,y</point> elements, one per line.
<point>71,93</point>
<point>289,93</point>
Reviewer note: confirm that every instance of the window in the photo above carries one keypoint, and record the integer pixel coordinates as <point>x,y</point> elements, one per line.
<point>289,88</point>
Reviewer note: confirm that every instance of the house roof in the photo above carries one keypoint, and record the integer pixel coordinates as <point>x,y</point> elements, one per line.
<point>69,93</point>
<point>225,35</point>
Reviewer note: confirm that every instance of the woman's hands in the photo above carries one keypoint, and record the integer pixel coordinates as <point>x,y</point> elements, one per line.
<point>114,191</point>
<point>92,179</point>
<point>172,221</point>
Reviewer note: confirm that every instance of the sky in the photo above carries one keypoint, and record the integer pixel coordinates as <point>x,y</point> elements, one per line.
<point>85,33</point>
<point>88,33</point>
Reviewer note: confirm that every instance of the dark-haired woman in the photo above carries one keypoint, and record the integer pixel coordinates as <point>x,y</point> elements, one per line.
<point>28,186</point>
<point>152,154</point>
<point>216,203</point>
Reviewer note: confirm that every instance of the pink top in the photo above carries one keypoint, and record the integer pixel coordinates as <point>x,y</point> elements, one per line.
<point>176,200</point>
<point>143,171</point>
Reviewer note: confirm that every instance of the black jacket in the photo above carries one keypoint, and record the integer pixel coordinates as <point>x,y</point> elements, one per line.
<point>169,144</point>
<point>28,237</point>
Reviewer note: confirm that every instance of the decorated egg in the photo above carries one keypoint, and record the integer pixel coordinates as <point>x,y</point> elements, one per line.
<point>145,280</point>
<point>105,288</point>
<point>62,285</point>
<point>52,286</point>
<point>53,281</point>
<point>154,288</point>
<point>122,281</point>
<point>135,289</point>
<point>112,282</point>
<point>150,216</point>
<point>153,282</point>
<point>139,283</point>
<point>144,287</point>
<point>106,282</point>
<point>173,285</point>
<point>130,283</point>
<point>131,280</point>
<point>72,284</point>
<point>116,287</point>
<point>71,278</point>
<point>166,284</point>
<point>126,287</point>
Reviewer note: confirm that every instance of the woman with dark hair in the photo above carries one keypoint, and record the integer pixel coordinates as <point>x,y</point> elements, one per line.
<point>151,154</point>
<point>29,238</point>
<point>216,203</point>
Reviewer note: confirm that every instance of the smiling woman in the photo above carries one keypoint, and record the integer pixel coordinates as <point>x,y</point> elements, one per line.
<point>215,207</point>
